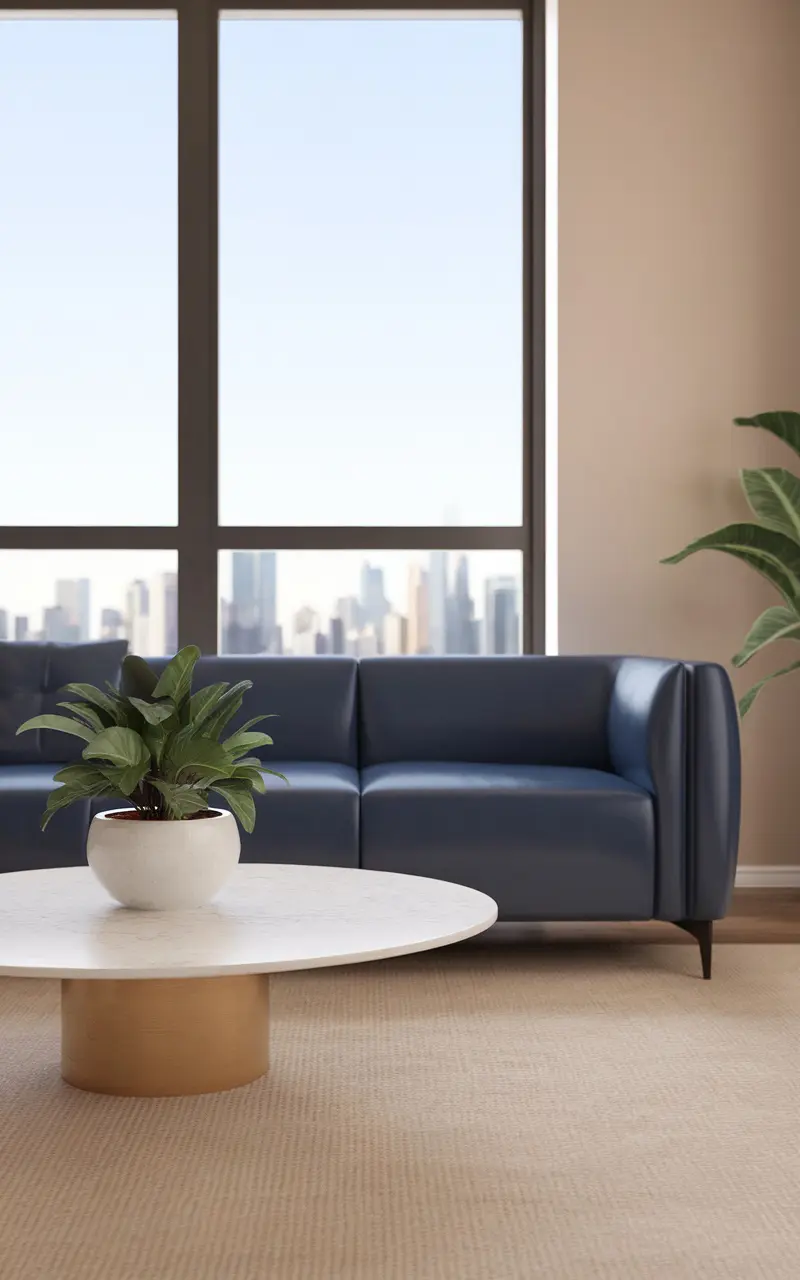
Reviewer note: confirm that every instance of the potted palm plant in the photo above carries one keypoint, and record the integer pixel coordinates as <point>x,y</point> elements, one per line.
<point>770,545</point>
<point>160,748</point>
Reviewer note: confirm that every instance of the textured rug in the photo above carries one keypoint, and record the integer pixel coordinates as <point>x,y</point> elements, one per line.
<point>467,1115</point>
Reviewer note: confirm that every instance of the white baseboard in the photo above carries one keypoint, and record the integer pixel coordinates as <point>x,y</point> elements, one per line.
<point>781,877</point>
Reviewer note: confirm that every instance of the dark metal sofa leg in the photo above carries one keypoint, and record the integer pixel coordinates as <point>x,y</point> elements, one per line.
<point>703,931</point>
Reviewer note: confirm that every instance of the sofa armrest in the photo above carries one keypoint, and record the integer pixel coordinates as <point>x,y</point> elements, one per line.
<point>647,738</point>
<point>673,729</point>
<point>714,785</point>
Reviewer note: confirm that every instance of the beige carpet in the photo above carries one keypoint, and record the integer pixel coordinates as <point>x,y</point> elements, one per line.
<point>467,1115</point>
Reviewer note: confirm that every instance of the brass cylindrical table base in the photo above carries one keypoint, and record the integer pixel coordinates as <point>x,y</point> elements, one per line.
<point>164,1037</point>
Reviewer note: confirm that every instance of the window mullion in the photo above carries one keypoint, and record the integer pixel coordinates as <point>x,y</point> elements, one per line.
<point>197,323</point>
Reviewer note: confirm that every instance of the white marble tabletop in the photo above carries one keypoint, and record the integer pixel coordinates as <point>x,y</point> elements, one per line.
<point>62,924</point>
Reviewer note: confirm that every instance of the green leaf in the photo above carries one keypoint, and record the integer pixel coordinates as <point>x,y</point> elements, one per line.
<point>85,713</point>
<point>202,702</point>
<point>153,712</point>
<point>250,775</point>
<point>274,774</point>
<point>120,746</point>
<point>84,779</point>
<point>175,681</point>
<point>203,777</point>
<point>772,554</point>
<point>76,789</point>
<point>62,724</point>
<point>240,798</point>
<point>749,698</point>
<point>190,753</point>
<point>784,424</point>
<point>242,742</point>
<point>774,496</point>
<point>88,693</point>
<point>256,720</point>
<point>777,623</point>
<point>155,739</point>
<point>59,799</point>
<point>125,779</point>
<point>138,677</point>
<point>214,722</point>
<point>180,801</point>
<point>124,714</point>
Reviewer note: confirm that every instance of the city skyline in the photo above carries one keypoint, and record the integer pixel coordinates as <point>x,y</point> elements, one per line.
<point>436,602</point>
<point>437,614</point>
<point>149,620</point>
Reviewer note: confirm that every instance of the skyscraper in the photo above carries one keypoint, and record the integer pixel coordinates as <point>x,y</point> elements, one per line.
<point>55,626</point>
<point>337,637</point>
<point>418,635</point>
<point>73,597</point>
<point>307,638</point>
<point>437,602</point>
<point>20,628</point>
<point>267,600</point>
<point>501,618</point>
<point>244,587</point>
<point>395,633</point>
<point>112,624</point>
<point>374,605</point>
<point>137,617</point>
<point>3,624</point>
<point>252,622</point>
<point>244,631</point>
<point>461,628</point>
<point>163,614</point>
<point>348,609</point>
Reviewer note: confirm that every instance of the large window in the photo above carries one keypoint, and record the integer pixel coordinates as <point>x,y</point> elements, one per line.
<point>270,315</point>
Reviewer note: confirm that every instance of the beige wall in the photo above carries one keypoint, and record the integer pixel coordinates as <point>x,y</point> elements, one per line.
<point>679,300</point>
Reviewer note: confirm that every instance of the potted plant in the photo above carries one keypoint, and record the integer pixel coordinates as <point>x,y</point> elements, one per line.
<point>159,747</point>
<point>770,545</point>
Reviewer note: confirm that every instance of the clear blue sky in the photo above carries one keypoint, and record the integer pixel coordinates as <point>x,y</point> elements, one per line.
<point>370,268</point>
<point>370,277</point>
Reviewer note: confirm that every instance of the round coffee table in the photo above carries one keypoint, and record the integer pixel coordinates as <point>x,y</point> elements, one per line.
<point>157,1004</point>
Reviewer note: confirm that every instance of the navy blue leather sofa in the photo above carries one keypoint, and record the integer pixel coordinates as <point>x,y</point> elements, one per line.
<point>567,788</point>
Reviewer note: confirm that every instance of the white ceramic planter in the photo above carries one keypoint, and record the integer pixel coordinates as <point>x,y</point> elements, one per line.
<point>163,866</point>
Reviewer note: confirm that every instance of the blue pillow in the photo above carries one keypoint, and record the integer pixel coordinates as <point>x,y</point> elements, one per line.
<point>31,679</point>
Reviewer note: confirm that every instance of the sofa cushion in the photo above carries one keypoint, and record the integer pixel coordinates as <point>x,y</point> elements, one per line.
<point>32,677</point>
<point>546,843</point>
<point>24,789</point>
<point>313,698</point>
<point>502,710</point>
<point>313,820</point>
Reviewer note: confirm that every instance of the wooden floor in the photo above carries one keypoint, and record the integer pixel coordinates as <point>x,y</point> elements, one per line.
<point>756,915</point>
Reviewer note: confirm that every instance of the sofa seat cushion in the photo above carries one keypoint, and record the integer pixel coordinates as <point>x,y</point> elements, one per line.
<point>24,789</point>
<point>312,821</point>
<point>547,843</point>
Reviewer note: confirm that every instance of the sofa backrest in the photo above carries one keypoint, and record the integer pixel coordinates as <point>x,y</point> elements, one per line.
<point>314,700</point>
<point>32,677</point>
<point>491,710</point>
